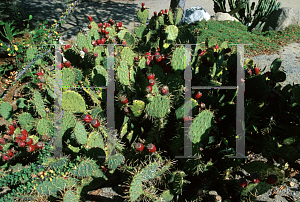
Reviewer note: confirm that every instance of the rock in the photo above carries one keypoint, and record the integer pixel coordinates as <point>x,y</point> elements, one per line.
<point>281,18</point>
<point>219,16</point>
<point>195,14</point>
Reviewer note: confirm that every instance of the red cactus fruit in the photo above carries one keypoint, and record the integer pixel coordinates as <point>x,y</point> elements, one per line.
<point>165,90</point>
<point>9,153</point>
<point>216,47</point>
<point>139,147</point>
<point>162,11</point>
<point>136,58</point>
<point>24,132</point>
<point>30,148</point>
<point>90,26</point>
<point>256,70</point>
<point>255,178</point>
<point>21,144</point>
<point>198,95</point>
<point>90,18</point>
<point>155,13</point>
<point>61,65</point>
<point>202,105</point>
<point>149,89</point>
<point>5,158</point>
<point>143,4</point>
<point>85,49</point>
<point>2,141</point>
<point>272,179</point>
<point>11,127</point>
<point>95,55</point>
<point>94,43</point>
<point>87,118</point>
<point>124,100</point>
<point>100,25</point>
<point>151,82</point>
<point>29,141</point>
<point>40,73</point>
<point>166,11</point>
<point>126,109</point>
<point>1,148</point>
<point>243,182</point>
<point>11,132</point>
<point>38,145</point>
<point>95,123</point>
<point>23,137</point>
<point>120,24</point>
<point>103,41</point>
<point>150,76</point>
<point>151,148</point>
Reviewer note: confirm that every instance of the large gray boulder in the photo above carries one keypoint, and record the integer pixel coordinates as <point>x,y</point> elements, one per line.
<point>195,14</point>
<point>219,16</point>
<point>281,18</point>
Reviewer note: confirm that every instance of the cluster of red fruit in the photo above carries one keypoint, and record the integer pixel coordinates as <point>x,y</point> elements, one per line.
<point>88,119</point>
<point>22,140</point>
<point>41,78</point>
<point>161,12</point>
<point>140,147</point>
<point>242,182</point>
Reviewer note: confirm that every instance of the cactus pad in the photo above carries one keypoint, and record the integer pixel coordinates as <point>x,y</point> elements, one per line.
<point>45,127</point>
<point>70,196</point>
<point>68,77</point>
<point>143,15</point>
<point>6,110</point>
<point>200,127</point>
<point>115,161</point>
<point>137,107</point>
<point>39,104</point>
<point>172,32</point>
<point>26,121</point>
<point>159,107</point>
<point>95,140</point>
<point>80,133</point>
<point>178,58</point>
<point>73,102</point>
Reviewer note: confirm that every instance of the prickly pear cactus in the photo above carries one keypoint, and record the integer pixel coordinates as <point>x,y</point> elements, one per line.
<point>45,126</point>
<point>80,133</point>
<point>70,196</point>
<point>6,110</point>
<point>26,121</point>
<point>73,102</point>
<point>39,104</point>
<point>143,15</point>
<point>137,107</point>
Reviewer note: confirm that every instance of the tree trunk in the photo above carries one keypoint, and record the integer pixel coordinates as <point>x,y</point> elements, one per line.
<point>175,4</point>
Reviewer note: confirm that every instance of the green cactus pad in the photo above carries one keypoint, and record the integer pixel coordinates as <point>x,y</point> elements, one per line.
<point>137,108</point>
<point>93,96</point>
<point>82,41</point>
<point>276,64</point>
<point>99,50</point>
<point>85,168</point>
<point>45,127</point>
<point>161,20</point>
<point>39,104</point>
<point>68,77</point>
<point>80,133</point>
<point>95,140</point>
<point>127,55</point>
<point>159,107</point>
<point>114,161</point>
<point>142,63</point>
<point>249,63</point>
<point>130,39</point>
<point>200,127</point>
<point>30,53</point>
<point>123,73</point>
<point>166,196</point>
<point>135,190</point>
<point>70,196</point>
<point>178,15</point>
<point>68,121</point>
<point>6,110</point>
<point>26,121</point>
<point>178,59</point>
<point>212,42</point>
<point>73,102</point>
<point>99,76</point>
<point>172,32</point>
<point>140,31</point>
<point>112,33</point>
<point>57,184</point>
<point>171,17</point>
<point>224,45</point>
<point>122,33</point>
<point>92,35</point>
<point>132,74</point>
<point>20,103</point>
<point>143,15</point>
<point>94,25</point>
<point>256,189</point>
<point>57,163</point>
<point>181,110</point>
<point>149,172</point>
<point>78,75</point>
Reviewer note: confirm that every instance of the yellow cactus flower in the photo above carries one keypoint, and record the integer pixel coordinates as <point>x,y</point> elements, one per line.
<point>33,187</point>
<point>1,44</point>
<point>50,179</point>
<point>9,54</point>
<point>55,21</point>
<point>51,171</point>
<point>8,49</point>
<point>45,173</point>
<point>42,176</point>
<point>16,47</point>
